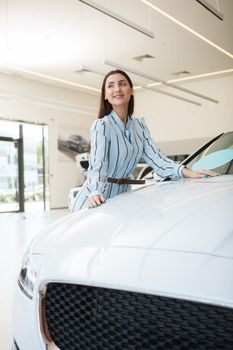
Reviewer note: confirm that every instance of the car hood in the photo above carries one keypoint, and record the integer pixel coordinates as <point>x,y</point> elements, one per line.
<point>187,215</point>
<point>169,237</point>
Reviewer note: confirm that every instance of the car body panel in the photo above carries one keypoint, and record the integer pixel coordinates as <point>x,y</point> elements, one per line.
<point>167,206</point>
<point>171,238</point>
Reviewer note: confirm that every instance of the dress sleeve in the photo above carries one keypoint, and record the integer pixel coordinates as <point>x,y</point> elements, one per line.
<point>162,165</point>
<point>98,161</point>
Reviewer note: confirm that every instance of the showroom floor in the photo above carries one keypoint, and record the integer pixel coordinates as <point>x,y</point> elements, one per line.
<point>16,232</point>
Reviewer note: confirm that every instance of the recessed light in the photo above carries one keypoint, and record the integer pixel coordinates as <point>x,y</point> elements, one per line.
<point>181,73</point>
<point>143,57</point>
<point>206,75</point>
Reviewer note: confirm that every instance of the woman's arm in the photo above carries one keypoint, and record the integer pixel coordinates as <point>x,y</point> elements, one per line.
<point>162,165</point>
<point>98,163</point>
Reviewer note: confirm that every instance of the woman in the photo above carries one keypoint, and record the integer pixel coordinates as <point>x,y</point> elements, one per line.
<point>118,142</point>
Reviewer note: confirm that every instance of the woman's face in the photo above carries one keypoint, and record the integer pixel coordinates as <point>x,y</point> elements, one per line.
<point>117,90</point>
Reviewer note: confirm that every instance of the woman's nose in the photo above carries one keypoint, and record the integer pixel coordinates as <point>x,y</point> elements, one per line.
<point>117,87</point>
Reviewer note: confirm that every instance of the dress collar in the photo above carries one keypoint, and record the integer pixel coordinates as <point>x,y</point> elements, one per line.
<point>119,122</point>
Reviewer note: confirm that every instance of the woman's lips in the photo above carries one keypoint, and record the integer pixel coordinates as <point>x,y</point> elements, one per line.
<point>118,96</point>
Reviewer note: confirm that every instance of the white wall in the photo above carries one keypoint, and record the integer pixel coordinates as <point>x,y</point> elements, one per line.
<point>180,127</point>
<point>36,102</point>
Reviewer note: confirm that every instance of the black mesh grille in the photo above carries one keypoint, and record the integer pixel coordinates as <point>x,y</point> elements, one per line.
<point>91,318</point>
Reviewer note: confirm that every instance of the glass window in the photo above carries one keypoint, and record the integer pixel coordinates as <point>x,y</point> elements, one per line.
<point>8,176</point>
<point>217,156</point>
<point>33,166</point>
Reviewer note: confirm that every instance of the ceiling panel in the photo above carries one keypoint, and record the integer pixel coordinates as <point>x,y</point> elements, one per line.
<point>55,38</point>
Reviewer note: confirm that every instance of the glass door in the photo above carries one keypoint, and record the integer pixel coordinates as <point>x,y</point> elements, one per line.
<point>23,167</point>
<point>9,170</point>
<point>35,169</point>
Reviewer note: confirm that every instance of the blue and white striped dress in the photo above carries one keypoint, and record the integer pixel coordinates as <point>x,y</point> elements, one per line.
<point>116,149</point>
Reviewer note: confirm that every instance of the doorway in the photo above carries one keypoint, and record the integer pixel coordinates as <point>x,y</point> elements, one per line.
<point>23,167</point>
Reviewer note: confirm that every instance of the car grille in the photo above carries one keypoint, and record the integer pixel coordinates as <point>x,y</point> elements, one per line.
<point>91,318</point>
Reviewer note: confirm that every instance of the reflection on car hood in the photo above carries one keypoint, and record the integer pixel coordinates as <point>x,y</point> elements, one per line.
<point>187,215</point>
<point>166,238</point>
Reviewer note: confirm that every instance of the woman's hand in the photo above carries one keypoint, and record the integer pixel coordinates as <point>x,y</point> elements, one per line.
<point>95,201</point>
<point>198,173</point>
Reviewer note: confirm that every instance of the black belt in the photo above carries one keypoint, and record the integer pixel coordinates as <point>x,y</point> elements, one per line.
<point>125,181</point>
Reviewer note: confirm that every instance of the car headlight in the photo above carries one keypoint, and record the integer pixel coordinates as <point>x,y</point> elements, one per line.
<point>29,273</point>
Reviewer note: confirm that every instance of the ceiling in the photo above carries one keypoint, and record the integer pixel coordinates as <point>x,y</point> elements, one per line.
<point>54,40</point>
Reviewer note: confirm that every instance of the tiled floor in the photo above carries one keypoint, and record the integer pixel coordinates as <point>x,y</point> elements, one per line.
<point>16,232</point>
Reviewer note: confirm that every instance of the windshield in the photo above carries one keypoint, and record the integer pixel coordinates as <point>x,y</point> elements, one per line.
<point>218,156</point>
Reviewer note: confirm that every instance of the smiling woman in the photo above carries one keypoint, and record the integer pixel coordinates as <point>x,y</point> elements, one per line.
<point>118,142</point>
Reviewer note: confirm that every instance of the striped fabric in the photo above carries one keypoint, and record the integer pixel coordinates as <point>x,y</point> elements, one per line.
<point>116,149</point>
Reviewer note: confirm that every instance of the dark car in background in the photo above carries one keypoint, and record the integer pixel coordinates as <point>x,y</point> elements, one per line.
<point>77,143</point>
<point>74,144</point>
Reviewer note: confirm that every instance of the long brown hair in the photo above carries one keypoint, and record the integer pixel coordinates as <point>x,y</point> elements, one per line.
<point>105,106</point>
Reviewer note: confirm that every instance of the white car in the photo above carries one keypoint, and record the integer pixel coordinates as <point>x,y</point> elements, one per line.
<point>150,269</point>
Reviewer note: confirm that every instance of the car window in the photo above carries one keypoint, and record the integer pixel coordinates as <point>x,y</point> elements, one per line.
<point>218,156</point>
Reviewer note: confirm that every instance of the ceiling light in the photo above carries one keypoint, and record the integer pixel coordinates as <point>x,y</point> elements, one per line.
<point>119,18</point>
<point>172,95</point>
<point>197,76</point>
<point>137,87</point>
<point>51,78</point>
<point>183,72</point>
<point>203,75</point>
<point>93,70</point>
<point>187,28</point>
<point>150,77</point>
<point>143,57</point>
<point>211,8</point>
